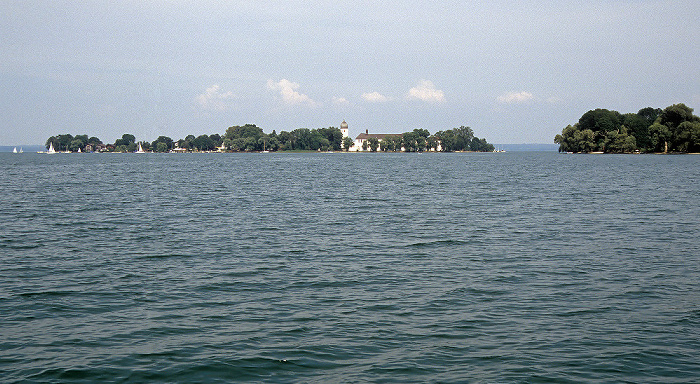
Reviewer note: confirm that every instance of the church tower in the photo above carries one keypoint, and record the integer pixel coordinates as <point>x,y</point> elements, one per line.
<point>344,129</point>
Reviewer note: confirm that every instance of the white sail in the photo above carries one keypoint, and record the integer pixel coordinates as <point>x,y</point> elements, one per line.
<point>51,150</point>
<point>14,150</point>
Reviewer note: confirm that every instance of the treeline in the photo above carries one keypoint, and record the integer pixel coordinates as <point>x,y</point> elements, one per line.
<point>419,140</point>
<point>128,143</point>
<point>673,129</point>
<point>70,143</point>
<point>251,138</point>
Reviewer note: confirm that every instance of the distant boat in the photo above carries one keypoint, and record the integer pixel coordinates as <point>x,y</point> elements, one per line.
<point>51,150</point>
<point>21,150</point>
<point>79,151</point>
<point>140,150</point>
<point>15,150</point>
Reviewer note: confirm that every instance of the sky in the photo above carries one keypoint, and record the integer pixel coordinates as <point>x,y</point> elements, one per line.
<point>513,71</point>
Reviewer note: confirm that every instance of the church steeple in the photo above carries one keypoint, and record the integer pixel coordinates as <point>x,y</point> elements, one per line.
<point>344,129</point>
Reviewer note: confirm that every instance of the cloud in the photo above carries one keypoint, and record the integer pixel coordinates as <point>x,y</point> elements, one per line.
<point>287,90</point>
<point>425,91</point>
<point>340,101</point>
<point>375,97</point>
<point>213,99</point>
<point>515,97</point>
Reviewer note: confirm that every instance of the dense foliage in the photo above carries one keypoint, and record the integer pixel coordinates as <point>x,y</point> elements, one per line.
<point>68,142</point>
<point>418,140</point>
<point>252,138</point>
<point>249,137</point>
<point>673,129</point>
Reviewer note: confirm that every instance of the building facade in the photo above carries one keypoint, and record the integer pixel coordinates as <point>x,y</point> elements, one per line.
<point>362,138</point>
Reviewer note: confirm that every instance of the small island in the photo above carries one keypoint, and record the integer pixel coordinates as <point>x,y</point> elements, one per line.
<point>251,138</point>
<point>651,130</point>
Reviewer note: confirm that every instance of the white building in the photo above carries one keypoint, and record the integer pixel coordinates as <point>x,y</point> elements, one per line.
<point>362,137</point>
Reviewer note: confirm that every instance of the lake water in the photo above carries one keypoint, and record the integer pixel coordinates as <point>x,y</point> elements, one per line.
<point>317,268</point>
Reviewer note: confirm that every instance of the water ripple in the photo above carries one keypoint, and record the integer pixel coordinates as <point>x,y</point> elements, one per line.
<point>521,267</point>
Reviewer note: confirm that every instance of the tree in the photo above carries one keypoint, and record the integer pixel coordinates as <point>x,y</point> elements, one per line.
<point>263,141</point>
<point>126,140</point>
<point>432,143</point>
<point>660,136</point>
<point>464,136</point>
<point>347,143</point>
<point>184,144</point>
<point>63,142</point>
<point>619,141</point>
<point>480,145</point>
<point>600,120</point>
<point>53,140</point>
<point>686,137</point>
<point>447,140</point>
<point>83,138</point>
<point>408,140</point>
<point>638,127</point>
<point>334,137</point>
<point>274,143</point>
<point>391,143</point>
<point>649,114</point>
<point>244,138</point>
<point>680,120</point>
<point>250,144</point>
<point>165,140</point>
<point>94,141</point>
<point>76,145</point>
<point>373,144</point>
<point>216,139</point>
<point>285,139</point>
<point>585,141</point>
<point>672,116</point>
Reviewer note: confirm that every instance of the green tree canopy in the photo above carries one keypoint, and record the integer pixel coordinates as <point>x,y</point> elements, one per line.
<point>649,130</point>
<point>347,143</point>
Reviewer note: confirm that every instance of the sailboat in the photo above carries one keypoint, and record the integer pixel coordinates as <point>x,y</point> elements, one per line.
<point>14,150</point>
<point>51,150</point>
<point>21,150</point>
<point>140,150</point>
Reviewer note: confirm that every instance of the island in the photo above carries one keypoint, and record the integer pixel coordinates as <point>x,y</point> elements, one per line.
<point>251,138</point>
<point>673,129</point>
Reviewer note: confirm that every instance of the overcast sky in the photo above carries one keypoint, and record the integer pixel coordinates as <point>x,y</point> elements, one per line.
<point>514,71</point>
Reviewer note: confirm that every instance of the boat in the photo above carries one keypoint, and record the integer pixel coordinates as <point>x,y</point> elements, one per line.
<point>21,150</point>
<point>14,150</point>
<point>51,150</point>
<point>140,150</point>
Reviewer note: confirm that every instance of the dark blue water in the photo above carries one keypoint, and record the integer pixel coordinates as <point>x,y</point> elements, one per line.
<point>510,267</point>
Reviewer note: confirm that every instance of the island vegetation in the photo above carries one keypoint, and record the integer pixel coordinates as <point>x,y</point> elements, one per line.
<point>674,129</point>
<point>251,138</point>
